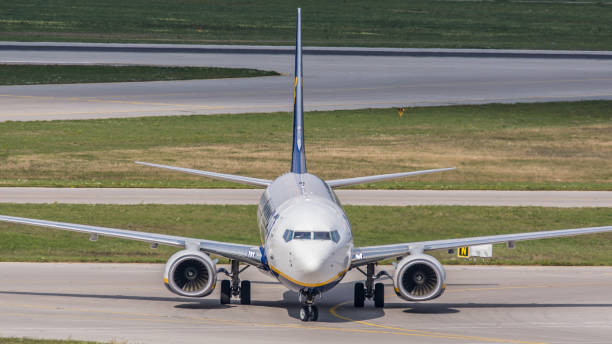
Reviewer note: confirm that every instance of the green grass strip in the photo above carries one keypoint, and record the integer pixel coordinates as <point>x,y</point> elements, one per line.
<point>11,74</point>
<point>542,146</point>
<point>371,226</point>
<point>399,23</point>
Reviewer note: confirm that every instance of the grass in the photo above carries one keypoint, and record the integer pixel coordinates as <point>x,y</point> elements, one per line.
<point>12,340</point>
<point>371,226</point>
<point>11,74</point>
<point>546,146</point>
<point>417,23</point>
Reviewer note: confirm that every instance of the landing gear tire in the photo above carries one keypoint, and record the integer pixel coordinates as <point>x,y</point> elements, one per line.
<point>379,295</point>
<point>359,295</point>
<point>314,313</point>
<point>245,292</point>
<point>305,313</point>
<point>226,292</point>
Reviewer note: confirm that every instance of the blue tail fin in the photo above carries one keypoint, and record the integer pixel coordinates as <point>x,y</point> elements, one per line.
<point>298,157</point>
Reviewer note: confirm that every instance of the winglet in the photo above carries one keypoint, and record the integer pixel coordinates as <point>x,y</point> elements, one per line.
<point>298,156</point>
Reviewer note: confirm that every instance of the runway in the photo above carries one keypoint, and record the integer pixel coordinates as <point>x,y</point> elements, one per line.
<point>335,79</point>
<point>347,197</point>
<point>128,302</point>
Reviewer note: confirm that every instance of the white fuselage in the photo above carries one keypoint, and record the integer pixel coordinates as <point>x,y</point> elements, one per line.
<point>305,234</point>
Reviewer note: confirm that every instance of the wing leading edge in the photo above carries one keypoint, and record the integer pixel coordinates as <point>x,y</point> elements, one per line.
<point>365,255</point>
<point>245,253</point>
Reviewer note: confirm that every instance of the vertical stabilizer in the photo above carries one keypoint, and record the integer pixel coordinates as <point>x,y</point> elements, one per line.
<point>298,157</point>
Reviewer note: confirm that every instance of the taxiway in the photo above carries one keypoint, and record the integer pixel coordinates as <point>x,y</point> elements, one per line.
<point>363,78</point>
<point>348,197</point>
<point>128,302</point>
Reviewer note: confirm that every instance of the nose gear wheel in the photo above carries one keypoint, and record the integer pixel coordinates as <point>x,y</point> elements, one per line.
<point>309,312</point>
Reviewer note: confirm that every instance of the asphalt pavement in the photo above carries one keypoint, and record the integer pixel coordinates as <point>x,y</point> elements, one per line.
<point>333,79</point>
<point>128,303</point>
<point>347,197</point>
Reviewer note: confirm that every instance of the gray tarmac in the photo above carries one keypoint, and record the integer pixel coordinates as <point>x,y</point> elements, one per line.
<point>128,302</point>
<point>347,197</point>
<point>365,78</point>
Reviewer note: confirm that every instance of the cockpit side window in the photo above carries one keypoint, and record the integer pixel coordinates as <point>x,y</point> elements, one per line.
<point>335,236</point>
<point>288,235</point>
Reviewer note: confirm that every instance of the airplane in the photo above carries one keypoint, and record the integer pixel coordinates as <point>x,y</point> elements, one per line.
<point>306,238</point>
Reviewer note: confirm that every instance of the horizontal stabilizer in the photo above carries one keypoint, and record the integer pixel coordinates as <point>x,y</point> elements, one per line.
<point>377,178</point>
<point>221,176</point>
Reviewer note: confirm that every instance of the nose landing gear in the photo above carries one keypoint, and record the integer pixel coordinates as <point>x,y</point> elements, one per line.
<point>235,287</point>
<point>309,312</point>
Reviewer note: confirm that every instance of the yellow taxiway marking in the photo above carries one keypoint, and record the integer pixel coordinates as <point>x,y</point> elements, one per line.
<point>422,333</point>
<point>147,317</point>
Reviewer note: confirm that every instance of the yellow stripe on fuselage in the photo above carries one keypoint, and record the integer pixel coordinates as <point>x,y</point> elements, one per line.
<point>303,284</point>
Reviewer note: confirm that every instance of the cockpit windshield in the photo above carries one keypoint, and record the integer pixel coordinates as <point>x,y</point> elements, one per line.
<point>302,235</point>
<point>317,235</point>
<point>321,236</point>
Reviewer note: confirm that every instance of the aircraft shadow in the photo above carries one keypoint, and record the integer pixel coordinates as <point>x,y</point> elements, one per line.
<point>191,303</point>
<point>331,299</point>
<point>448,308</point>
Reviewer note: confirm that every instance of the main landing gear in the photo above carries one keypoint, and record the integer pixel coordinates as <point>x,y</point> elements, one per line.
<point>370,290</point>
<point>309,312</point>
<point>235,287</point>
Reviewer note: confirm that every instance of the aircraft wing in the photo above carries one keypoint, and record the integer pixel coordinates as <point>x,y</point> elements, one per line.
<point>365,255</point>
<point>245,253</point>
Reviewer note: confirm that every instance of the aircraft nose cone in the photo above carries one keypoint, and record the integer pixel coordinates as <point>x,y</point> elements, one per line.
<point>315,265</point>
<point>312,263</point>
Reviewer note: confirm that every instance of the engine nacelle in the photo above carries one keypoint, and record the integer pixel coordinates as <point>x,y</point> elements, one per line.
<point>190,273</point>
<point>419,278</point>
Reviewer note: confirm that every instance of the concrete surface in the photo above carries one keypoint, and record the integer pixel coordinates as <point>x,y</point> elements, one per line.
<point>334,80</point>
<point>347,197</point>
<point>128,302</point>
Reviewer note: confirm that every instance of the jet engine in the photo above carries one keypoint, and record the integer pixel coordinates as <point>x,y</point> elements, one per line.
<point>419,278</point>
<point>190,273</point>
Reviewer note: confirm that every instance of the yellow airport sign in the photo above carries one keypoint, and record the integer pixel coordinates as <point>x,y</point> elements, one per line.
<point>463,252</point>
